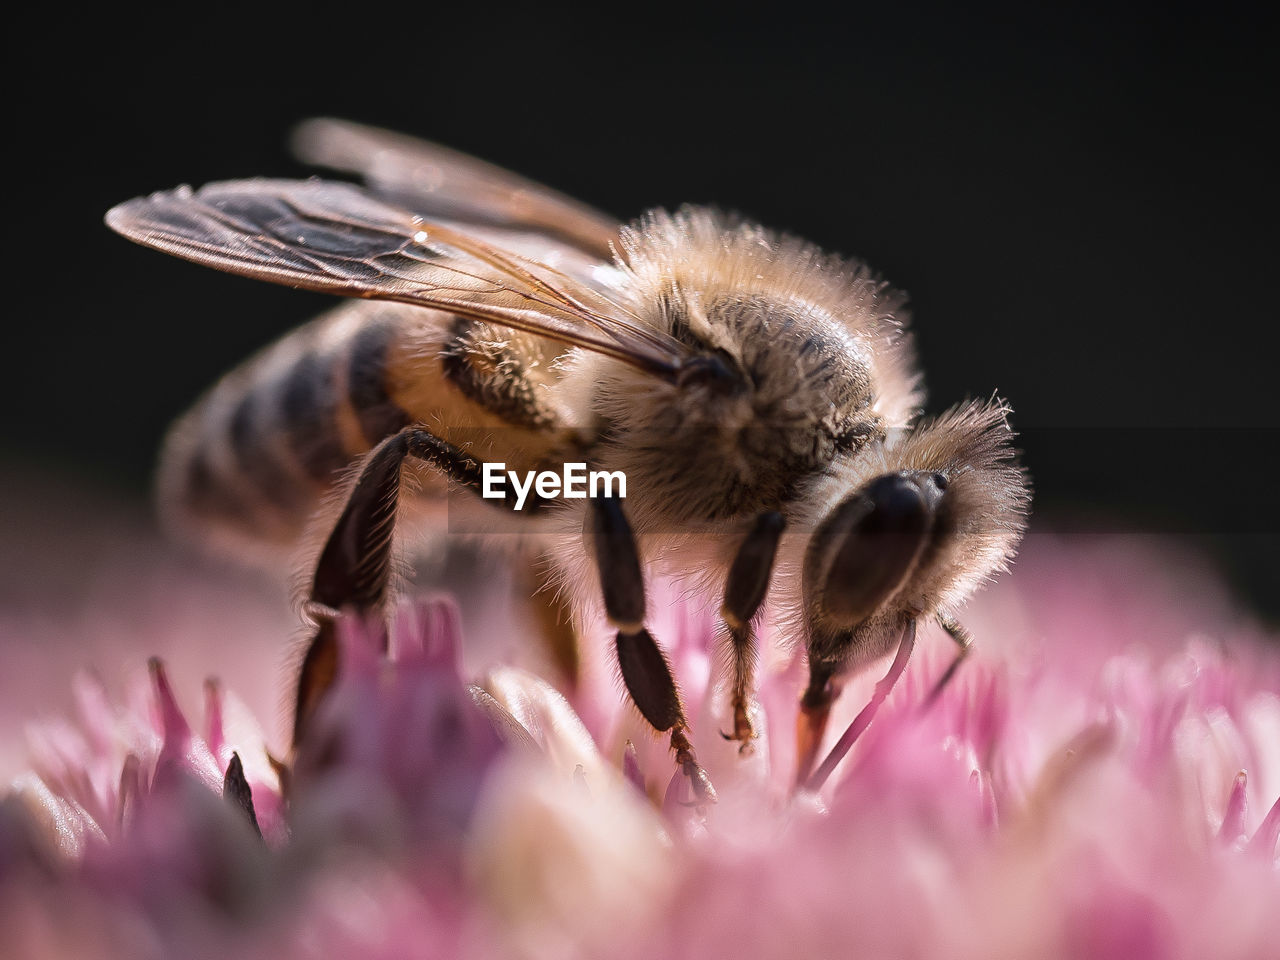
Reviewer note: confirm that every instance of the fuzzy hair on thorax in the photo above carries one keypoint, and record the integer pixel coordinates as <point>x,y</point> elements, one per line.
<point>816,343</point>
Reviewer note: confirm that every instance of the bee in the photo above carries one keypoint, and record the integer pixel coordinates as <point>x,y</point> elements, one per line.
<point>759,396</point>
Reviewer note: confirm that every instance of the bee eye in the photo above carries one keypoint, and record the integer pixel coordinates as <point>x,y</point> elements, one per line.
<point>940,481</point>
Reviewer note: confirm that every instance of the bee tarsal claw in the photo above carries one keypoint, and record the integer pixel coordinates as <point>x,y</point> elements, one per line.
<point>743,731</point>
<point>703,790</point>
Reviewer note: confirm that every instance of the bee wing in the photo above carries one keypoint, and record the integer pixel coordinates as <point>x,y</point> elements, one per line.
<point>605,278</point>
<point>337,238</point>
<point>444,184</point>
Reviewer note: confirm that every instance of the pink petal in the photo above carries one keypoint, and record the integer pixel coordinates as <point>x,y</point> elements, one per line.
<point>1233,829</point>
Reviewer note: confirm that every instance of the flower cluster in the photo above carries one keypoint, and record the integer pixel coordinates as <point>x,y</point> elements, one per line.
<point>1095,782</point>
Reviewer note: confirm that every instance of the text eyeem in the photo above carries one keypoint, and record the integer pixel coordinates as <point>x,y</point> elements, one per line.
<point>575,482</point>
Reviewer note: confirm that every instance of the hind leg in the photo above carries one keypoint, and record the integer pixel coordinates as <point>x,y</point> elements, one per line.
<point>353,572</point>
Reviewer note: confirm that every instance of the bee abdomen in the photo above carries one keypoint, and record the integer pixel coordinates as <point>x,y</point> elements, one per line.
<point>367,385</point>
<point>252,460</point>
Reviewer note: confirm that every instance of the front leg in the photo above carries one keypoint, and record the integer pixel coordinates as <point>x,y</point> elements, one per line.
<point>811,721</point>
<point>744,593</point>
<point>964,642</point>
<point>645,670</point>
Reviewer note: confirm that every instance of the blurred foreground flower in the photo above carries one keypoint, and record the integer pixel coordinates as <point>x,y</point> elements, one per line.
<point>1095,783</point>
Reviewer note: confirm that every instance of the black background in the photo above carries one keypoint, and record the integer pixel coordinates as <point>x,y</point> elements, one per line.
<point>1081,203</point>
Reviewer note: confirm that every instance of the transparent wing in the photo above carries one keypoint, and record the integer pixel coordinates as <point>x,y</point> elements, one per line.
<point>447,185</point>
<point>338,238</point>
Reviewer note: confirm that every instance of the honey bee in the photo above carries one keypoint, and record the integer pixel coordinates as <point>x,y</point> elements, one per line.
<point>759,396</point>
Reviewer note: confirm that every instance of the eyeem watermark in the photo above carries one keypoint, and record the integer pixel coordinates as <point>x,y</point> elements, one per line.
<point>574,483</point>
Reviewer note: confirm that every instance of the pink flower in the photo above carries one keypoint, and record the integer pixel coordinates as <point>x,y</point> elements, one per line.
<point>1099,780</point>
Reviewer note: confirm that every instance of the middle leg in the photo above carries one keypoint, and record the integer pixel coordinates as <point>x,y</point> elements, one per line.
<point>645,670</point>
<point>744,593</point>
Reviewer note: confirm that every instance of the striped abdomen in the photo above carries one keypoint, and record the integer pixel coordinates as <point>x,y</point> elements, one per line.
<point>249,464</point>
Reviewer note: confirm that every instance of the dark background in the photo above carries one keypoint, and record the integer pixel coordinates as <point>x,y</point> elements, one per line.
<point>1081,204</point>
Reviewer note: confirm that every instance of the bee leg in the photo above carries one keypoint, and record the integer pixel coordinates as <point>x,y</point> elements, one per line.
<point>815,709</point>
<point>863,720</point>
<point>317,675</point>
<point>645,670</point>
<point>353,571</point>
<point>743,594</point>
<point>964,640</point>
